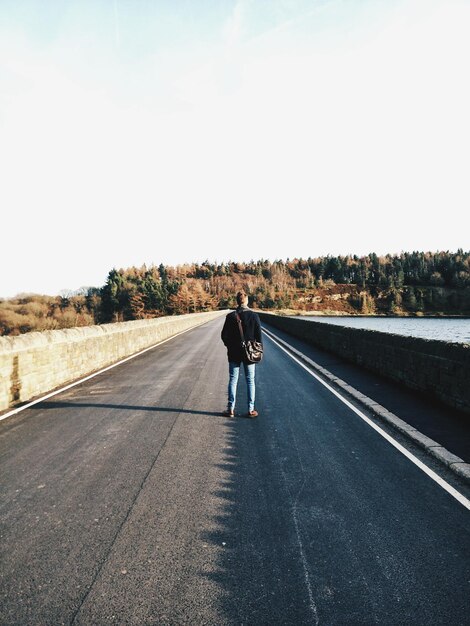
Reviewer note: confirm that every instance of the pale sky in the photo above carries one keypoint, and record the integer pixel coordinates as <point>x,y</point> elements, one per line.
<point>176,131</point>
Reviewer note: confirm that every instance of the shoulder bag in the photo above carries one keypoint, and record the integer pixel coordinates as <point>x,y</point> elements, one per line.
<point>253,349</point>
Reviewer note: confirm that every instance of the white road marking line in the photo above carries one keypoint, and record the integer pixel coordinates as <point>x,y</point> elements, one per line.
<point>440,481</point>
<point>82,380</point>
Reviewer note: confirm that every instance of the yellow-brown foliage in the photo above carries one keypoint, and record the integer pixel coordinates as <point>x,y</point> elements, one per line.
<point>36,313</point>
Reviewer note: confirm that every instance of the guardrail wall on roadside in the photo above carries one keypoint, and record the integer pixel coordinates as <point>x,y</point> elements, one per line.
<point>38,362</point>
<point>438,368</point>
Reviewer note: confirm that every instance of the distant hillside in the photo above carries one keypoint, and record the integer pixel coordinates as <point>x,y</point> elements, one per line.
<point>417,283</point>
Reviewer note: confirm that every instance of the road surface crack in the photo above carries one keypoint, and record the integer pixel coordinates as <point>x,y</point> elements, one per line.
<point>103,561</point>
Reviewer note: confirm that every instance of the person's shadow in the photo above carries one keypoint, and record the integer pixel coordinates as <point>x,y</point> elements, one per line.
<point>126,407</point>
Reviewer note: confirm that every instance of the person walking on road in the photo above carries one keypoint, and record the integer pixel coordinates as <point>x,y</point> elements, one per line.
<point>236,355</point>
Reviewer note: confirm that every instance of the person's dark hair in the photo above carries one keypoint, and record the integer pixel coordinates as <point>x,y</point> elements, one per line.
<point>242,298</point>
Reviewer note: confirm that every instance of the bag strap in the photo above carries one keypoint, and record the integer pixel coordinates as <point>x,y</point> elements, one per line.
<point>240,327</point>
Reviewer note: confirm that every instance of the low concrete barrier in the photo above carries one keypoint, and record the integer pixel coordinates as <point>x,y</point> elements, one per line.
<point>35,363</point>
<point>438,368</point>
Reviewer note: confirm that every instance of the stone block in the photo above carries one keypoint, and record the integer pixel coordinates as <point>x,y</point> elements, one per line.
<point>445,456</point>
<point>462,469</point>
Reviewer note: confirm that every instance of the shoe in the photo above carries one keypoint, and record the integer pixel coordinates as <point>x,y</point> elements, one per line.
<point>228,413</point>
<point>252,414</point>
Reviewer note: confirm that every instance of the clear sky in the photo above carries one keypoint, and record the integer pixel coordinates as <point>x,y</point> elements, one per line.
<point>138,131</point>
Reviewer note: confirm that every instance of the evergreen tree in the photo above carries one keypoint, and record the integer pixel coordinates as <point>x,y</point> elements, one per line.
<point>111,297</point>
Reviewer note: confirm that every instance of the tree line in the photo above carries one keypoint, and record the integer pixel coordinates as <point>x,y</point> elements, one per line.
<point>411,282</point>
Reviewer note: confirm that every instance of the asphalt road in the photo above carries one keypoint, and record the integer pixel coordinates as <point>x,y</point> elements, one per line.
<point>448,426</point>
<point>129,499</point>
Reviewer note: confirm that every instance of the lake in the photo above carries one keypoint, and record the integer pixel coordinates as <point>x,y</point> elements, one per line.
<point>442,328</point>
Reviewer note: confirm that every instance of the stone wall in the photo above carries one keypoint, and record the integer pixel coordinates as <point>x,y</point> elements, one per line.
<point>439,368</point>
<point>35,363</point>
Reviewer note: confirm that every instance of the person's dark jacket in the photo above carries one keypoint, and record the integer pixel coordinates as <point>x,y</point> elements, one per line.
<point>231,334</point>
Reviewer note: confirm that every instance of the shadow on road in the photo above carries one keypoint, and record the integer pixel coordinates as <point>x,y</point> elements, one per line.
<point>259,572</point>
<point>125,407</point>
<point>303,538</point>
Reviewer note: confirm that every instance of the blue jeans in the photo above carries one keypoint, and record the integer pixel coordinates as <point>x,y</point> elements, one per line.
<point>234,370</point>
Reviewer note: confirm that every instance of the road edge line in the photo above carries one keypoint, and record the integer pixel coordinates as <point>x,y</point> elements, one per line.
<point>451,461</point>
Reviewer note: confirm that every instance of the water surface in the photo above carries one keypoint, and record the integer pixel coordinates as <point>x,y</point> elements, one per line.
<point>442,328</point>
